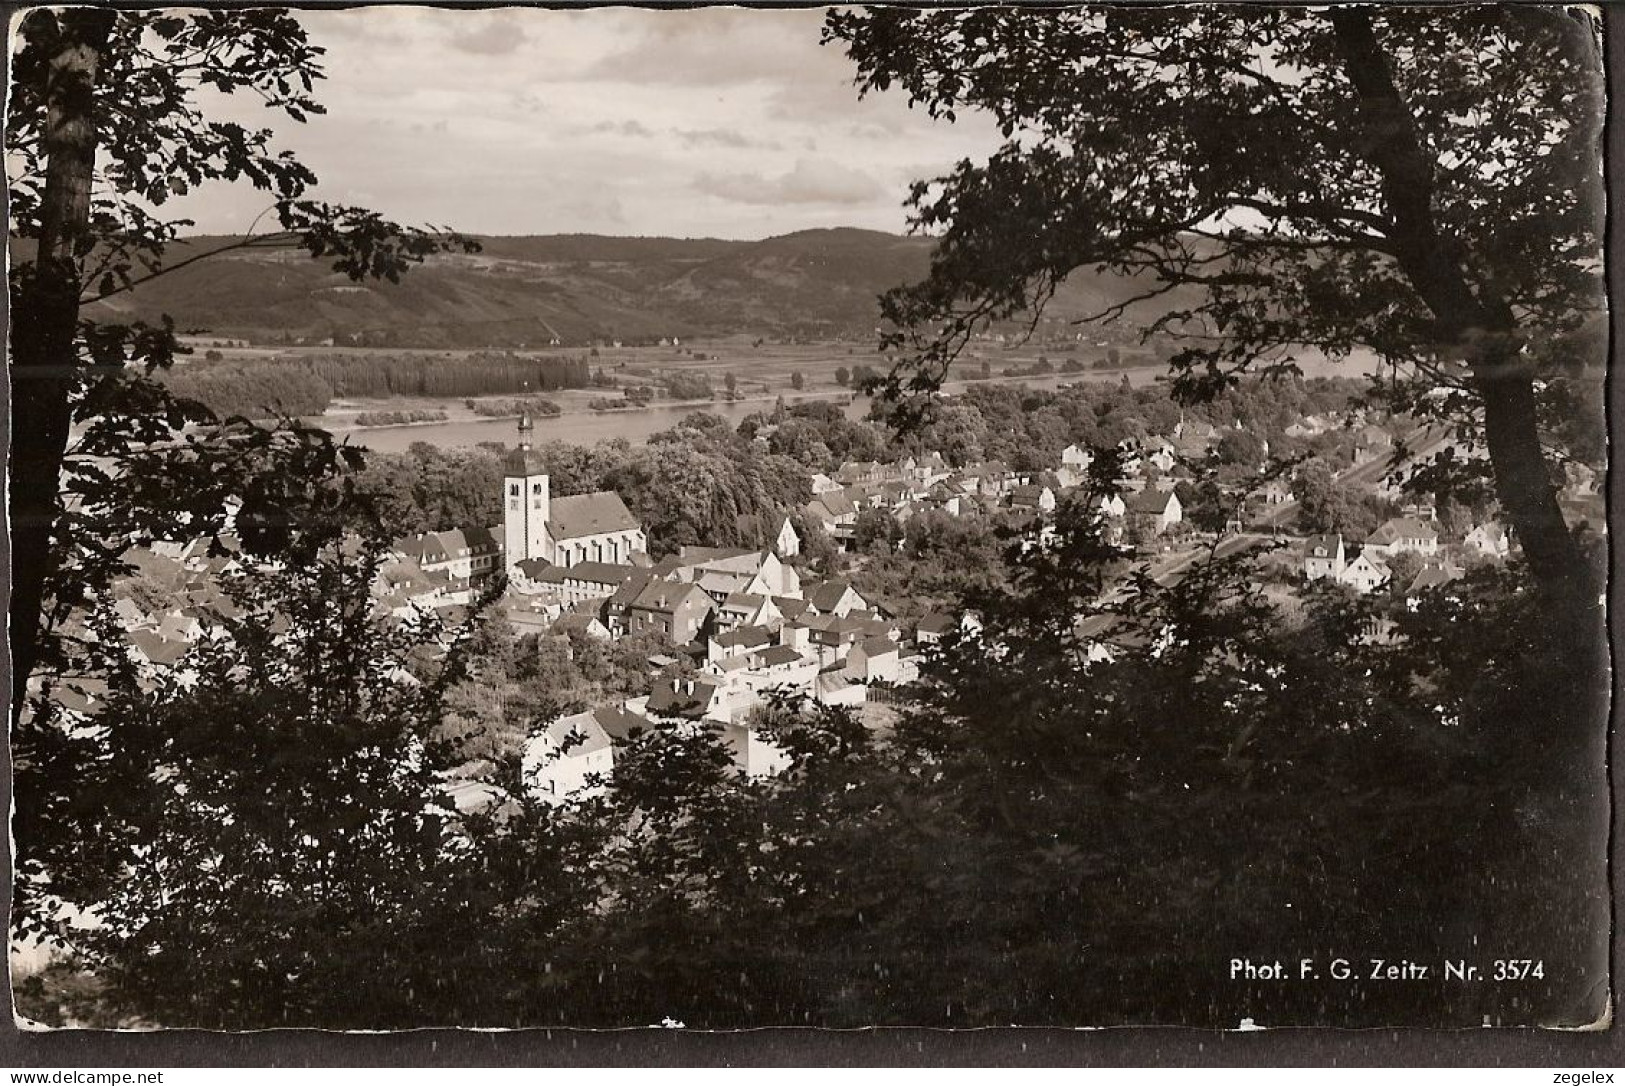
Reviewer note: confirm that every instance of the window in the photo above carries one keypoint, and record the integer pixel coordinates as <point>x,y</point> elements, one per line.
<point>513,490</point>
<point>535,488</point>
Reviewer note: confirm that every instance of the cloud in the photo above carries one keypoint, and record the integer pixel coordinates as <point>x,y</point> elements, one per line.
<point>810,182</point>
<point>723,122</point>
<point>600,209</point>
<point>722,137</point>
<point>715,47</point>
<point>496,35</point>
<point>623,128</point>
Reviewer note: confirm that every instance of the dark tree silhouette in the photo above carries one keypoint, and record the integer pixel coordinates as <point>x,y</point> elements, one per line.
<point>1421,182</point>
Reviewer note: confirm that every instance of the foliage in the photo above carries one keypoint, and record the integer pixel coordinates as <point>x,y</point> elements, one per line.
<point>398,418</point>
<point>267,811</point>
<point>104,127</point>
<point>686,385</point>
<point>305,384</point>
<point>697,484</point>
<point>1319,179</point>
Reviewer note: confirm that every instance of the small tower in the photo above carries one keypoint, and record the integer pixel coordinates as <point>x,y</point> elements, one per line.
<point>526,502</point>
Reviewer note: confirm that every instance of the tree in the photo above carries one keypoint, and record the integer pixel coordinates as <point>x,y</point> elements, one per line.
<point>731,383</point>
<point>1335,178</point>
<point>876,531</point>
<point>798,381</point>
<point>1241,447</point>
<point>842,375</point>
<point>104,123</point>
<point>283,768</point>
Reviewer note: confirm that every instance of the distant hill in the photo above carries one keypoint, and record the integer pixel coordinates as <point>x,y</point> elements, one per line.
<point>572,288</point>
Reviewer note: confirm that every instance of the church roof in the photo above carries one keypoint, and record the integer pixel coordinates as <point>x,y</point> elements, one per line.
<point>523,462</point>
<point>589,514</point>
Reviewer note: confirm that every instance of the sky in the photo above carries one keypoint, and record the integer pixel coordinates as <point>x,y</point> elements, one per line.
<point>718,122</point>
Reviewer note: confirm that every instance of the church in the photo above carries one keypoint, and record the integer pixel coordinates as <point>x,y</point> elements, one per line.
<point>561,531</point>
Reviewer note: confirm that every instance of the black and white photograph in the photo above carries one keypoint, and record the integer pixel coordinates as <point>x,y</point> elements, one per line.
<point>712,518</point>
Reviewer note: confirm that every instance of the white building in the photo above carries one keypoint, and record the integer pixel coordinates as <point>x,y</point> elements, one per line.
<point>565,757</point>
<point>1323,556</point>
<point>582,528</point>
<point>1367,573</point>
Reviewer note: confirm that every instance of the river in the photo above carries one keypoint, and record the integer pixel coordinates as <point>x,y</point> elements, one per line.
<point>588,427</point>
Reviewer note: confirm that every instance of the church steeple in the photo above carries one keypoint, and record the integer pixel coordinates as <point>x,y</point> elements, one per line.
<point>527,503</point>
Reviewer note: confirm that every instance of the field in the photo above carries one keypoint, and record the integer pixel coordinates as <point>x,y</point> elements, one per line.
<point>763,371</point>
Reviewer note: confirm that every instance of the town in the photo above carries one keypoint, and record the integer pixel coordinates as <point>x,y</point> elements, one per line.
<point>739,626</point>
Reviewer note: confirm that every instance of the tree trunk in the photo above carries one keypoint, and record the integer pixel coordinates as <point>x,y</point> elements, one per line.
<point>45,317</point>
<point>1477,327</point>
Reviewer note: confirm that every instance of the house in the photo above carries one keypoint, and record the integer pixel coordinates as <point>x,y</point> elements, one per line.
<point>738,642</point>
<point>1401,534</point>
<point>564,531</point>
<point>835,686</point>
<point>831,637</point>
<point>944,499</point>
<point>679,610</point>
<point>621,724</point>
<point>753,753</point>
<point>931,629</point>
<point>1155,510</point>
<point>867,496</point>
<point>569,585</point>
<point>1367,573</point>
<point>1075,461</point>
<point>467,558</point>
<point>1309,426</point>
<point>572,756</point>
<point>992,479</point>
<point>1160,453</point>
<point>834,511</point>
<point>865,471</point>
<point>823,484</point>
<point>1490,539</point>
<point>130,614</point>
<point>835,597</point>
<point>582,620</point>
<point>617,612</point>
<point>924,470</point>
<point>786,543</point>
<point>722,571</point>
<point>747,609</point>
<point>790,608</point>
<point>1033,498</point>
<point>1432,576</point>
<point>1323,556</point>
<point>1275,492</point>
<point>149,647</point>
<point>1112,505</point>
<point>689,697</point>
<point>880,659</point>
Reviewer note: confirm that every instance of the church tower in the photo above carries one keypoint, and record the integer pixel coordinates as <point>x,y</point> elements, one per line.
<point>526,503</point>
